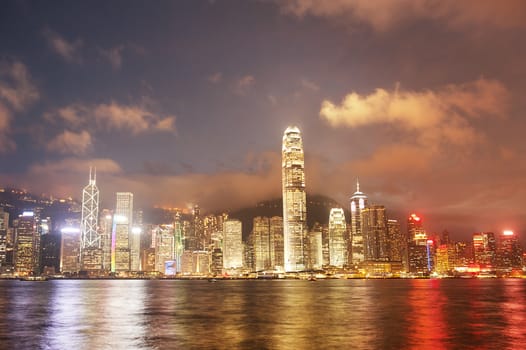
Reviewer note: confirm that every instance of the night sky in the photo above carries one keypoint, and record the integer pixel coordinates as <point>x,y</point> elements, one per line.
<point>185,102</point>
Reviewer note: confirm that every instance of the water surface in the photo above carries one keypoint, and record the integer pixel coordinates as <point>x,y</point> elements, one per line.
<point>275,314</point>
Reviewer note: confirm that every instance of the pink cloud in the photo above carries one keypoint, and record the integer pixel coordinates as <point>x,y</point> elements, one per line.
<point>383,15</point>
<point>71,143</point>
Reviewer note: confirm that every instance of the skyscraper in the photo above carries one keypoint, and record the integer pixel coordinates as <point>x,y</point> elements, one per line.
<point>26,244</point>
<point>122,223</point>
<point>509,251</point>
<point>90,243</point>
<point>232,244</point>
<point>262,242</point>
<point>397,243</point>
<point>4,223</point>
<point>178,241</point>
<point>485,249</point>
<point>374,230</point>
<point>358,203</point>
<point>418,257</point>
<point>294,202</point>
<point>338,249</point>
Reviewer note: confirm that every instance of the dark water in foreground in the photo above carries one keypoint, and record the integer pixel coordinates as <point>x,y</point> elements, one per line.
<point>278,314</point>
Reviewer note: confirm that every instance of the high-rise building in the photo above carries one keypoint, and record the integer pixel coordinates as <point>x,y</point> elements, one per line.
<point>294,202</point>
<point>338,249</point>
<point>315,249</point>
<point>232,244</point>
<point>485,249</point>
<point>417,243</point>
<point>70,247</point>
<point>267,241</point>
<point>136,233</point>
<point>324,229</point>
<point>374,232</point>
<point>178,242</point>
<point>509,251</point>
<point>358,203</point>
<point>105,228</point>
<point>90,243</point>
<point>121,231</point>
<point>262,242</point>
<point>4,225</point>
<point>164,247</point>
<point>26,247</point>
<point>397,241</point>
<point>277,252</point>
<point>50,251</point>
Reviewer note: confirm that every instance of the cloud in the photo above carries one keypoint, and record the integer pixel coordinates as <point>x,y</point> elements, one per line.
<point>71,143</point>
<point>6,144</point>
<point>17,92</point>
<point>16,86</point>
<point>113,55</point>
<point>69,51</point>
<point>383,15</point>
<point>433,116</point>
<point>75,166</point>
<point>308,84</point>
<point>136,119</point>
<point>112,116</point>
<point>244,84</point>
<point>215,78</point>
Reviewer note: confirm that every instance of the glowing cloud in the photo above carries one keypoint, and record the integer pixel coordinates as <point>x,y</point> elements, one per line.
<point>71,143</point>
<point>383,15</point>
<point>17,92</point>
<point>69,51</point>
<point>435,116</point>
<point>113,116</point>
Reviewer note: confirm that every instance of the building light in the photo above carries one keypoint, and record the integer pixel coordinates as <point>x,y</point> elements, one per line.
<point>507,233</point>
<point>67,230</point>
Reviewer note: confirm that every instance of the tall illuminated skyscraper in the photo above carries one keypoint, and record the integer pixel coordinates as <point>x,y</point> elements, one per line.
<point>26,244</point>
<point>4,223</point>
<point>509,251</point>
<point>178,241</point>
<point>485,248</point>
<point>337,238</point>
<point>90,243</point>
<point>296,252</point>
<point>232,244</point>
<point>121,231</point>
<point>374,231</point>
<point>358,203</point>
<point>418,252</point>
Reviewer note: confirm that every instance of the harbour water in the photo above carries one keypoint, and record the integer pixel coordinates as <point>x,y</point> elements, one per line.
<point>263,314</point>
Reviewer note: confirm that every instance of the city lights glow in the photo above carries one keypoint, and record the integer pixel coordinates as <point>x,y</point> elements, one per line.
<point>69,230</point>
<point>507,233</point>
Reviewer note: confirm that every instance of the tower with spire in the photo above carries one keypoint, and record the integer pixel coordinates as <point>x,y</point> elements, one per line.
<point>358,203</point>
<point>295,243</point>
<point>90,244</point>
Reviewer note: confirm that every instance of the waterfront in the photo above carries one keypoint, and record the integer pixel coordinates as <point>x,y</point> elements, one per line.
<point>276,314</point>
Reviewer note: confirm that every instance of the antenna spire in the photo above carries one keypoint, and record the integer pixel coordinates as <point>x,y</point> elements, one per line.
<point>357,185</point>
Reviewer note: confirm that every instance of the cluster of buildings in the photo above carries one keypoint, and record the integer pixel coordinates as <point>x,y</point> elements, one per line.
<point>106,243</point>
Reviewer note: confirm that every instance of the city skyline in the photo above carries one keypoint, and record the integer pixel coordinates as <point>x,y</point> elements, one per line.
<point>424,106</point>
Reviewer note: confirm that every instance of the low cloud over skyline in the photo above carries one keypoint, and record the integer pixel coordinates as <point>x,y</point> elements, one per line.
<point>420,100</point>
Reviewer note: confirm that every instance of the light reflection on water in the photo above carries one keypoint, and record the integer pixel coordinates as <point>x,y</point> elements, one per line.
<point>332,314</point>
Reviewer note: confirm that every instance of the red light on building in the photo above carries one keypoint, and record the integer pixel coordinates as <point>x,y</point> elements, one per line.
<point>430,242</point>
